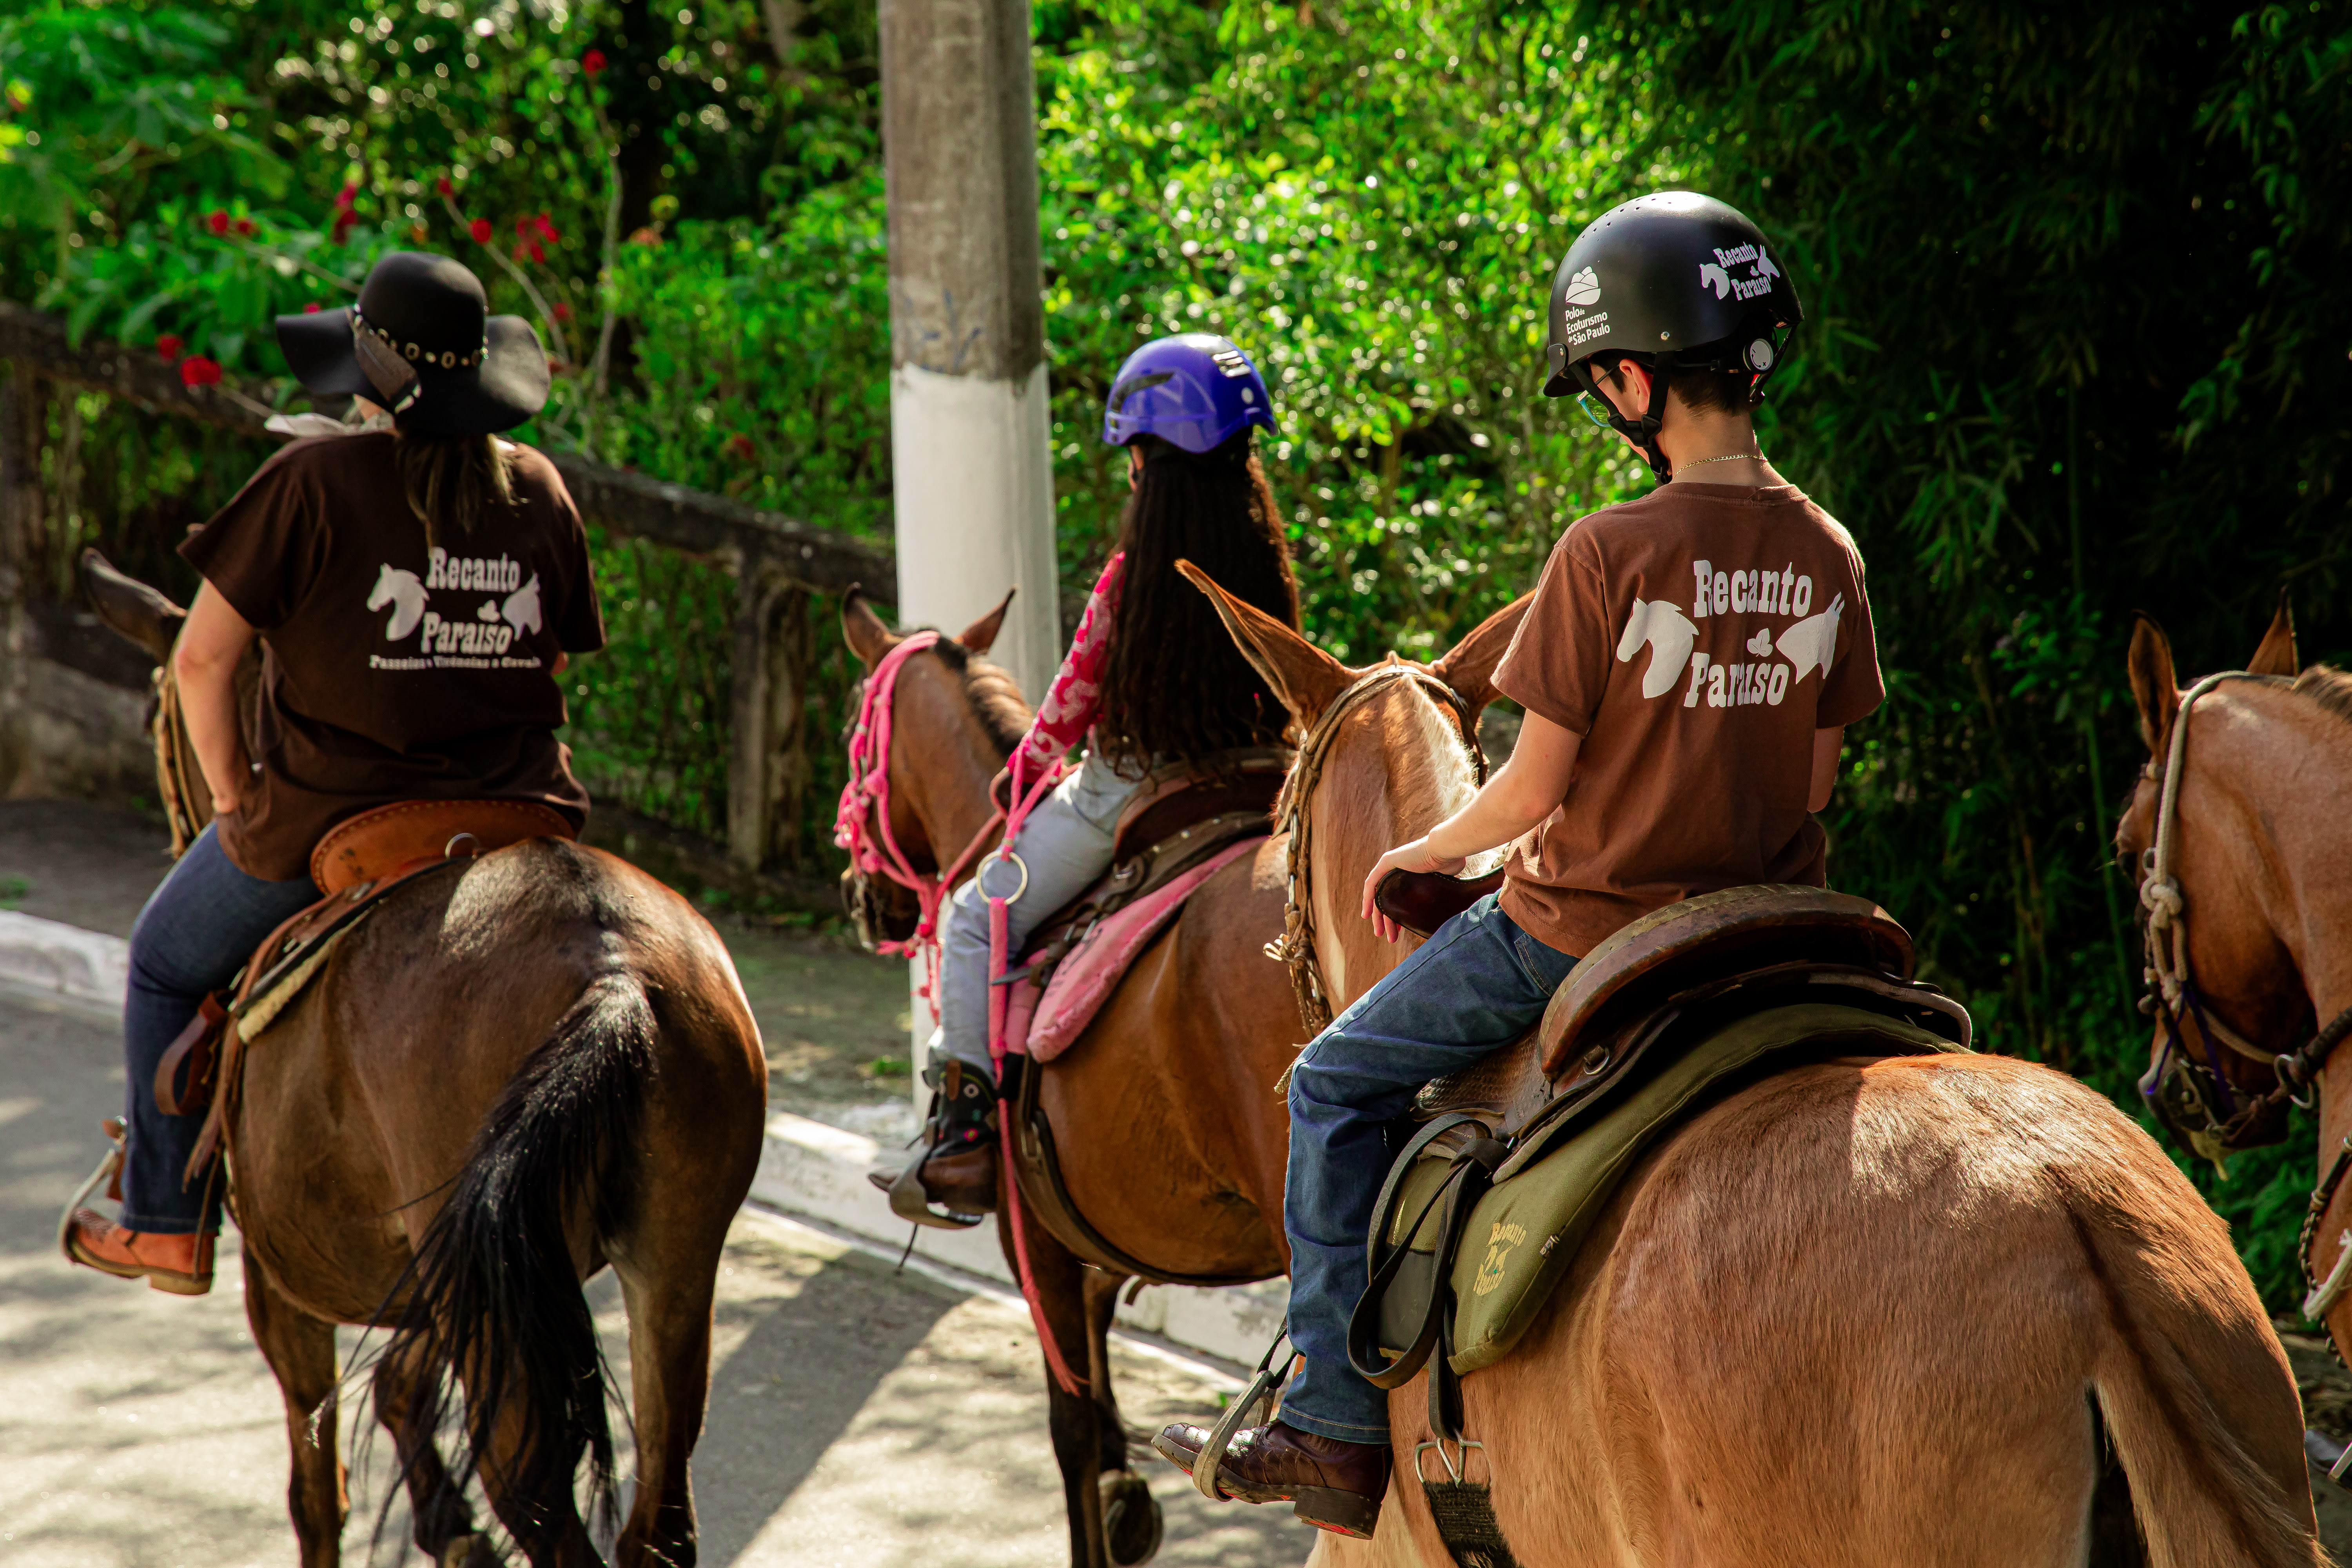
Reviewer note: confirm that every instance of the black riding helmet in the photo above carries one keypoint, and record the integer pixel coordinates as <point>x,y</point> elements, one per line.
<point>1674,281</point>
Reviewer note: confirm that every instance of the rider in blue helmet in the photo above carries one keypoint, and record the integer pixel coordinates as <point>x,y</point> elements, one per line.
<point>1195,390</point>
<point>1170,687</point>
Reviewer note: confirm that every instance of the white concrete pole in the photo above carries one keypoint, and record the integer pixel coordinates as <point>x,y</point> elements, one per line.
<point>970,441</point>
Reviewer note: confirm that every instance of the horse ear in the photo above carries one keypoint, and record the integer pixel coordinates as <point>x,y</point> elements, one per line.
<point>2276,654</point>
<point>1303,675</point>
<point>1469,665</point>
<point>978,637</point>
<point>2154,686</point>
<point>862,630</point>
<point>131,608</point>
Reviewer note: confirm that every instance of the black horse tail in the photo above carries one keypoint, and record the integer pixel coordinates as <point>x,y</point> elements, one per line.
<point>494,1296</point>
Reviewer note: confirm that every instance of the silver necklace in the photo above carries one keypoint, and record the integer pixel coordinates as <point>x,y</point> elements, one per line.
<point>1757,456</point>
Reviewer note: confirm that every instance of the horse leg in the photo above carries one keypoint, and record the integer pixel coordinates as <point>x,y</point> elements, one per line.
<point>1130,1514</point>
<point>1075,1420</point>
<point>503,1450</point>
<point>300,1350</point>
<point>444,1522</point>
<point>669,1298</point>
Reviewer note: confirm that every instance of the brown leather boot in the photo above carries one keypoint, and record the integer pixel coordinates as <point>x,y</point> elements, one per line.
<point>181,1264</point>
<point>956,1172</point>
<point>1330,1483</point>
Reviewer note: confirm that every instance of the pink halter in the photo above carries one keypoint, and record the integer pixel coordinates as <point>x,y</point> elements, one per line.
<point>862,824</point>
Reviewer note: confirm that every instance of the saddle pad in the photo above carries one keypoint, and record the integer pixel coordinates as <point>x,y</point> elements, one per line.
<point>1041,1027</point>
<point>1522,1235</point>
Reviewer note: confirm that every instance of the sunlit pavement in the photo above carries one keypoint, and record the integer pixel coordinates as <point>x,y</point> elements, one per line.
<point>857,1415</point>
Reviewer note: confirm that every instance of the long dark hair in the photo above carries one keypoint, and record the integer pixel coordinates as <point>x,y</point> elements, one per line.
<point>451,481</point>
<point>1177,687</point>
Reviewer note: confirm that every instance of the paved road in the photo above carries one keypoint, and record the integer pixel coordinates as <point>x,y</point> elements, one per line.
<point>857,1416</point>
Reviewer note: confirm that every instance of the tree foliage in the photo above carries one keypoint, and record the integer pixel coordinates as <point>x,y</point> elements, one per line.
<point>2075,344</point>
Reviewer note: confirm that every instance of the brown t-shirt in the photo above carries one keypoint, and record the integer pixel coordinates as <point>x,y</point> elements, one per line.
<point>391,671</point>
<point>1696,638</point>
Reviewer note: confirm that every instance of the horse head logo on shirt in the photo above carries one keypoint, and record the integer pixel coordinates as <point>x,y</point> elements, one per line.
<point>405,592</point>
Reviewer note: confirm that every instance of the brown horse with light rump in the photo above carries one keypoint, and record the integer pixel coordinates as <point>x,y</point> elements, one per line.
<point>507,1078</point>
<point>1931,1309</point>
<point>2237,835</point>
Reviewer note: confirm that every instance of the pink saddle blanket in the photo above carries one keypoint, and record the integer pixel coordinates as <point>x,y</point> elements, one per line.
<point>1043,1026</point>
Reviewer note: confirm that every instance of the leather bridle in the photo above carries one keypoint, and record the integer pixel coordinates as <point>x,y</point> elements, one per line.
<point>2173,998</point>
<point>1295,947</point>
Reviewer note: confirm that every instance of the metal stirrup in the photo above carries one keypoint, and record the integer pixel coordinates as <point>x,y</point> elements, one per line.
<point>1270,1373</point>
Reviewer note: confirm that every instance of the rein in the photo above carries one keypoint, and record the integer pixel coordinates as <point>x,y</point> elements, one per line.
<point>1295,947</point>
<point>861,825</point>
<point>2172,995</point>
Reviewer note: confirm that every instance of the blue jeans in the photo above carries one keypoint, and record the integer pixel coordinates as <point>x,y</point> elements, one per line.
<point>1477,985</point>
<point>195,934</point>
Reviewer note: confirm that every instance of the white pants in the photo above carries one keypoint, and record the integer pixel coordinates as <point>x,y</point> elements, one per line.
<point>1066,843</point>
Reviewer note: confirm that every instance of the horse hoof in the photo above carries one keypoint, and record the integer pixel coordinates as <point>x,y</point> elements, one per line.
<point>1131,1522</point>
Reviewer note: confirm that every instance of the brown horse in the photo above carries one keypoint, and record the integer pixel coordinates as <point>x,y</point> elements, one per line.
<point>1861,1313</point>
<point>1175,1139</point>
<point>2249,907</point>
<point>503,1081</point>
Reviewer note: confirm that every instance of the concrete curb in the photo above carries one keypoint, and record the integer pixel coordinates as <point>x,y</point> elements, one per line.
<point>52,959</point>
<point>807,1167</point>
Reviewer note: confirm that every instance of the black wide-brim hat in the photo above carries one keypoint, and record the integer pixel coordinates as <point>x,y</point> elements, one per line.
<point>421,343</point>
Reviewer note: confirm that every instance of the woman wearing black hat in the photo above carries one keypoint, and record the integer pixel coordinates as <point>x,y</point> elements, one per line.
<point>415,586</point>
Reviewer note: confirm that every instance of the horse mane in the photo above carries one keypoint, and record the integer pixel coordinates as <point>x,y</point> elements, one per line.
<point>989,689</point>
<point>2329,686</point>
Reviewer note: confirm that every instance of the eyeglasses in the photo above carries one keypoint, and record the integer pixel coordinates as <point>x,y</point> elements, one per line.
<point>1590,404</point>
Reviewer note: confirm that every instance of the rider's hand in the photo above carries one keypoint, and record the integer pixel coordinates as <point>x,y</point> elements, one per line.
<point>1412,857</point>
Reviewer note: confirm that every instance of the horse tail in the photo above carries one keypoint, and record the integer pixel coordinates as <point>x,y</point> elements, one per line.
<point>495,1294</point>
<point>2179,1382</point>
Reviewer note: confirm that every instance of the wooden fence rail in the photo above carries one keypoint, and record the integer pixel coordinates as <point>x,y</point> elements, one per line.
<point>778,563</point>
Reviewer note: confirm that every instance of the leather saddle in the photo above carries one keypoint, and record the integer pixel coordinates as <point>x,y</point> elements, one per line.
<point>1661,1011</point>
<point>358,863</point>
<point>1707,959</point>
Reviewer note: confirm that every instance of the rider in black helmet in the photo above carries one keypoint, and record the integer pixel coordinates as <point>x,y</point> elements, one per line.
<point>1689,662</point>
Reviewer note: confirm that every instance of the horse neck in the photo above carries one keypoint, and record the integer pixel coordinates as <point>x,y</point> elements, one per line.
<point>2265,854</point>
<point>944,749</point>
<point>1397,768</point>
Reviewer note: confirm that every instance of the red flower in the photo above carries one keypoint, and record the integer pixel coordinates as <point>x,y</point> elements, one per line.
<point>593,62</point>
<point>168,346</point>
<point>522,228</point>
<point>217,221</point>
<point>245,225</point>
<point>442,187</point>
<point>343,222</point>
<point>312,308</point>
<point>537,251</point>
<point>562,311</point>
<point>197,371</point>
<point>480,229</point>
<point>345,198</point>
<point>546,229</point>
<point>740,447</point>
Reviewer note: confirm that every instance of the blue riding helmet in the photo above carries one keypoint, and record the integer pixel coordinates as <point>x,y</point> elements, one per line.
<point>1195,390</point>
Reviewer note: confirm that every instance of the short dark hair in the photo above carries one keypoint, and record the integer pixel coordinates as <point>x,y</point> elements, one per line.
<point>1702,390</point>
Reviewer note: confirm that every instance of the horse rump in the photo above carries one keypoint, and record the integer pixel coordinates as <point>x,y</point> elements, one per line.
<point>494,1298</point>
